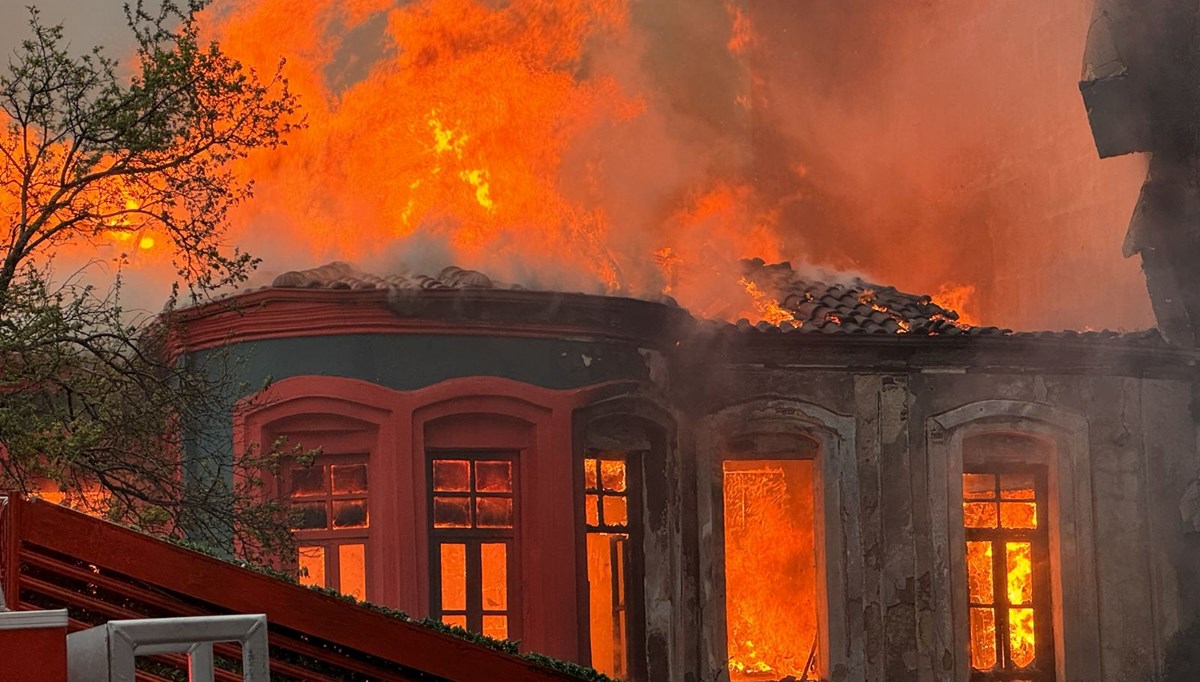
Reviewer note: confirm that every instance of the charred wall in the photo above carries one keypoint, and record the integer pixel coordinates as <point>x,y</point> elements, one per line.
<point>1140,451</point>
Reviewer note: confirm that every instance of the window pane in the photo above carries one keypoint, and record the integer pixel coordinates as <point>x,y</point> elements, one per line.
<point>770,551</point>
<point>352,570</point>
<point>605,602</point>
<point>1018,514</point>
<point>451,475</point>
<point>495,627</point>
<point>589,473</point>
<point>1016,487</point>
<point>494,512</point>
<point>1020,573</point>
<point>458,621</point>
<point>494,562</point>
<point>1020,636</point>
<point>454,578</point>
<point>979,514</point>
<point>308,515</point>
<point>493,477</point>
<point>979,486</point>
<point>312,565</point>
<point>349,478</point>
<point>350,514</point>
<point>593,510</point>
<point>451,512</point>
<point>983,638</point>
<point>615,513</point>
<point>612,474</point>
<point>307,480</point>
<point>979,572</point>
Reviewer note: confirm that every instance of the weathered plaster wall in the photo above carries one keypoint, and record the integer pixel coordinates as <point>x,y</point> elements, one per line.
<point>1142,452</point>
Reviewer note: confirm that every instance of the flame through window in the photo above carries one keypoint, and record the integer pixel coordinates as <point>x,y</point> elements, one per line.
<point>770,569</point>
<point>1007,581</point>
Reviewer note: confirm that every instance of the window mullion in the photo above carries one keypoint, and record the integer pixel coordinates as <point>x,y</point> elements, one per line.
<point>474,585</point>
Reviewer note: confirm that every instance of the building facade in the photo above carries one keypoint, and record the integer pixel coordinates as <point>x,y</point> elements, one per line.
<point>871,491</point>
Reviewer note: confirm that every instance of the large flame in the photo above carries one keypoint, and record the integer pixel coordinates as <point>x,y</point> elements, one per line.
<point>571,143</point>
<point>521,138</point>
<point>770,569</point>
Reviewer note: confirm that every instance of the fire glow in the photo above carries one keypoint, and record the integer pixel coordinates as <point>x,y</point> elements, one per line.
<point>523,139</point>
<point>1000,570</point>
<point>770,569</point>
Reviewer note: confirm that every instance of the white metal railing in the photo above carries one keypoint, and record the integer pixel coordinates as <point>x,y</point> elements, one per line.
<point>106,653</point>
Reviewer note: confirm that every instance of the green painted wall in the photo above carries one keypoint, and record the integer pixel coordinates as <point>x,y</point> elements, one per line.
<point>407,362</point>
<point>400,362</point>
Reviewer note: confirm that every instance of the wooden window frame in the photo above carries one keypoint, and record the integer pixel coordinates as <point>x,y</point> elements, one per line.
<point>473,538</point>
<point>635,561</point>
<point>1044,669</point>
<point>330,538</point>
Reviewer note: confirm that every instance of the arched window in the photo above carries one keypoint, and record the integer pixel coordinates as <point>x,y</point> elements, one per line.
<point>783,476</point>
<point>769,487</point>
<point>629,514</point>
<point>1010,502</point>
<point>332,495</point>
<point>1007,552</point>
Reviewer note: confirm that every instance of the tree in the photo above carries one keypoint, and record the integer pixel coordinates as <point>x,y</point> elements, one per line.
<point>91,400</point>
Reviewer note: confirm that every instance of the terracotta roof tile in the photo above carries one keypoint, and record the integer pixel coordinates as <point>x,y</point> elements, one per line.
<point>339,275</point>
<point>854,306</point>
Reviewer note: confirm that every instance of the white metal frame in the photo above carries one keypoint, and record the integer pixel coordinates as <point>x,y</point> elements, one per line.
<point>106,653</point>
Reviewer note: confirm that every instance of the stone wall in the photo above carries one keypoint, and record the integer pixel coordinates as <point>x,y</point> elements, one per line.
<point>1140,450</point>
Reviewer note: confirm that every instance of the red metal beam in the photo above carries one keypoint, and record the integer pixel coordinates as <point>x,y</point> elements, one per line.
<point>241,590</point>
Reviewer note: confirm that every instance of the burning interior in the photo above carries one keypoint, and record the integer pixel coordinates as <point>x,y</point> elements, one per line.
<point>870,489</point>
<point>712,465</point>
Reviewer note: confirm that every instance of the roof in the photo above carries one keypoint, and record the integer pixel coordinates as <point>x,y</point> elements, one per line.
<point>52,557</point>
<point>849,306</point>
<point>339,275</point>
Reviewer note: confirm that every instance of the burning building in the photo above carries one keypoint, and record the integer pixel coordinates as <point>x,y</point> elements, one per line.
<point>865,489</point>
<point>861,484</point>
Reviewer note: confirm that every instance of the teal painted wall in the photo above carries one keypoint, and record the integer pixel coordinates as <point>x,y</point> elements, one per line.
<point>407,362</point>
<point>400,362</point>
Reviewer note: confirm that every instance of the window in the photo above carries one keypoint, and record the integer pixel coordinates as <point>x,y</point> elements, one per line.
<point>610,561</point>
<point>329,503</point>
<point>473,515</point>
<point>1008,575</point>
<point>771,595</point>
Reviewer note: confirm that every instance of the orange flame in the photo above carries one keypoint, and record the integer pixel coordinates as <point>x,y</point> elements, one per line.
<point>490,128</point>
<point>957,297</point>
<point>768,308</point>
<point>769,551</point>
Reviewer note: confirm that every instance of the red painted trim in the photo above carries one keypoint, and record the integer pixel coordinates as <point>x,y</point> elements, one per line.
<point>403,421</point>
<point>288,313</point>
<point>238,590</point>
<point>34,654</point>
<point>362,408</point>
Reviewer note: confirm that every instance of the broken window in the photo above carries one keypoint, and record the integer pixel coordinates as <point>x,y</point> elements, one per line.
<point>1007,575</point>
<point>331,522</point>
<point>472,517</point>
<point>770,569</point>
<point>610,561</point>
